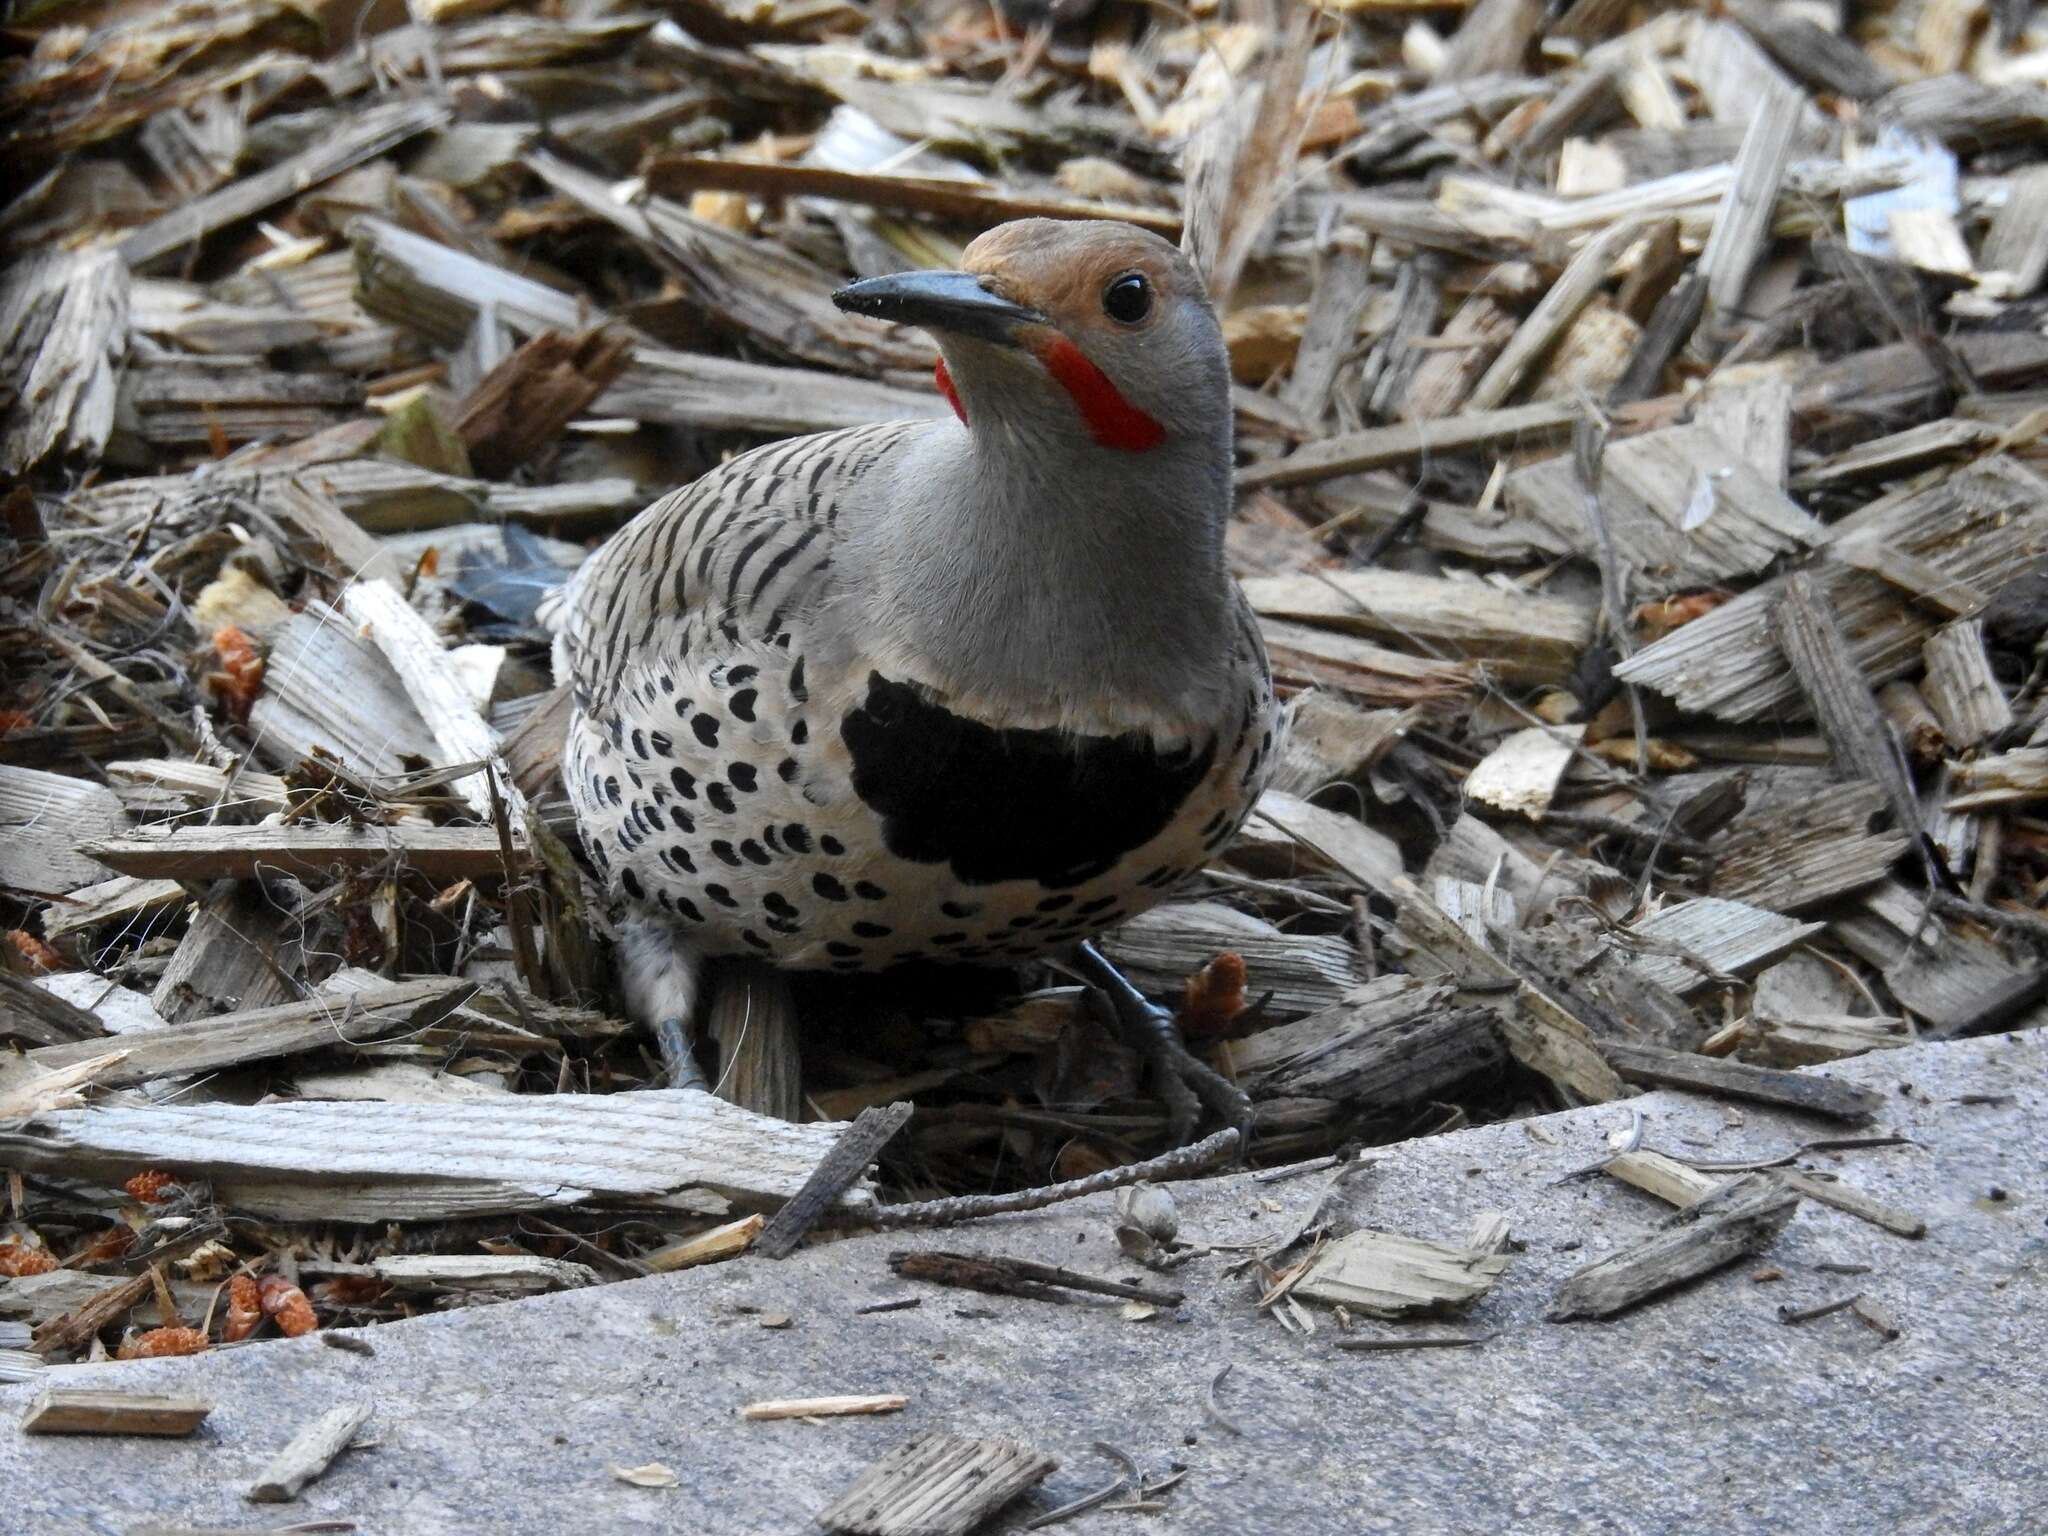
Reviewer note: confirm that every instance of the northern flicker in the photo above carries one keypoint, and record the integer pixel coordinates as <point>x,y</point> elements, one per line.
<point>963,690</point>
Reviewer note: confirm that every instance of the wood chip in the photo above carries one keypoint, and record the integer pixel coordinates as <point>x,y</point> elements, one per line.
<point>825,1407</point>
<point>1384,1274</point>
<point>1378,447</point>
<point>727,1241</point>
<point>1736,1221</point>
<point>204,1045</point>
<point>1654,1067</point>
<point>371,1162</point>
<point>1668,1179</point>
<point>938,1484</point>
<point>98,1411</point>
<point>851,1155</point>
<point>308,849</point>
<point>311,1452</point>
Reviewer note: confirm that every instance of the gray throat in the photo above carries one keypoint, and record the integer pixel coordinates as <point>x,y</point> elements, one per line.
<point>1061,580</point>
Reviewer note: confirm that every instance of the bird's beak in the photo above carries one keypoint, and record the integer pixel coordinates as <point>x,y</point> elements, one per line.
<point>939,301</point>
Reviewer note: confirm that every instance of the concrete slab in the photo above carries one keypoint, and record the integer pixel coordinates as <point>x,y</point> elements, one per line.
<point>1699,1413</point>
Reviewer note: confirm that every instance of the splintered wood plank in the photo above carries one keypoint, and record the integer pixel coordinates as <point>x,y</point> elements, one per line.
<point>1158,950</point>
<point>309,1454</point>
<point>939,1484</point>
<point>1522,636</point>
<point>1385,1274</point>
<point>1538,1031</point>
<point>1826,1189</point>
<point>1378,447</point>
<point>1961,688</point>
<point>1667,1178</point>
<point>1369,673</point>
<point>43,819</point>
<point>314,1161</point>
<point>1742,228</point>
<point>1978,524</point>
<point>1684,505</point>
<point>1840,696</point>
<point>1898,455</point>
<point>1725,937</point>
<point>515,1273</point>
<point>1740,1219</point>
<point>229,958</point>
<point>123,899</point>
<point>1582,277</point>
<point>1654,1067</point>
<point>1791,858</point>
<point>425,671</point>
<point>955,200</point>
<point>439,291</point>
<point>308,850</point>
<point>1393,1041</point>
<point>368,133</point>
<point>225,1040</point>
<point>751,1017</point>
<point>726,1241</point>
<point>2016,246</point>
<point>1315,837</point>
<point>63,335</point>
<point>97,1411</point>
<point>850,1157</point>
<point>2006,779</point>
<point>326,689</point>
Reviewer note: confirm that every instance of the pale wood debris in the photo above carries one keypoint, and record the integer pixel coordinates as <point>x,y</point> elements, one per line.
<point>1741,1218</point>
<point>938,1484</point>
<point>725,1241</point>
<point>511,1274</point>
<point>1710,936</point>
<point>306,849</point>
<point>1961,688</point>
<point>1385,1274</point>
<point>309,1454</point>
<point>358,350</point>
<point>417,1162</point>
<point>1671,1181</point>
<point>104,1411</point>
<point>825,1407</point>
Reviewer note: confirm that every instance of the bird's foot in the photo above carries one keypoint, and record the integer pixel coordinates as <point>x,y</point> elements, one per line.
<point>1182,1081</point>
<point>658,975</point>
<point>678,1061</point>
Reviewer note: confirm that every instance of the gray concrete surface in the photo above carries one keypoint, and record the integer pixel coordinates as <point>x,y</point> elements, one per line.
<point>1702,1413</point>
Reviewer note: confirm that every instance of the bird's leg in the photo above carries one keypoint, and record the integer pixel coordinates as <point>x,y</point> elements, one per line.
<point>1185,1083</point>
<point>659,974</point>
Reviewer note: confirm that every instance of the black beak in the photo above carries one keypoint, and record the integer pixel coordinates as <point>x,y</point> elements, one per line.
<point>938,301</point>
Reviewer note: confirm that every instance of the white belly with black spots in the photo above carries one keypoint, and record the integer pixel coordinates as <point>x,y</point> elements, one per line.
<point>852,823</point>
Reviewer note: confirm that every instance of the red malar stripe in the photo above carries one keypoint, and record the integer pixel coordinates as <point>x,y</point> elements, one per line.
<point>945,382</point>
<point>1112,420</point>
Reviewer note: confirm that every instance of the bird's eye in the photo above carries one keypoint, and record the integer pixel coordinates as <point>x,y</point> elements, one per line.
<point>1127,299</point>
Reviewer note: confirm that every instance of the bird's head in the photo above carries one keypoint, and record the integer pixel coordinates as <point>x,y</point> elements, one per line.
<point>1095,329</point>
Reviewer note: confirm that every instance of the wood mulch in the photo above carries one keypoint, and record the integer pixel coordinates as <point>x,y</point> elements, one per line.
<point>1641,421</point>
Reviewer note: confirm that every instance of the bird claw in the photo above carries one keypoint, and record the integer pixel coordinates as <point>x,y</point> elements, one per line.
<point>1182,1081</point>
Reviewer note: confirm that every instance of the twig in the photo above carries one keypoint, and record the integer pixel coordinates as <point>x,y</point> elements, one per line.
<point>1019,1277</point>
<point>1387,1346</point>
<point>1209,1402</point>
<point>2023,923</point>
<point>1177,1164</point>
<point>1808,1314</point>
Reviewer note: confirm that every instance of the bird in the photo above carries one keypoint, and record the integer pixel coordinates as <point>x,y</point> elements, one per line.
<point>972,689</point>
